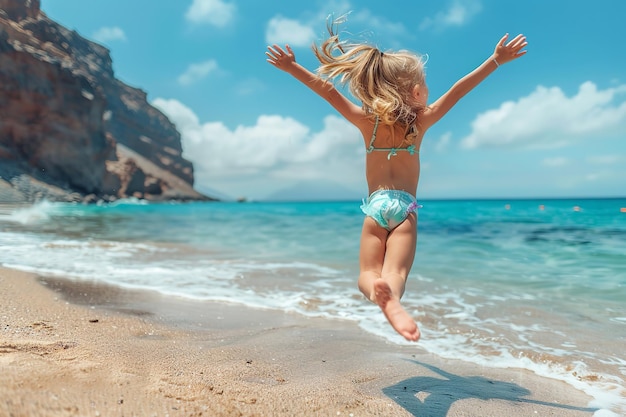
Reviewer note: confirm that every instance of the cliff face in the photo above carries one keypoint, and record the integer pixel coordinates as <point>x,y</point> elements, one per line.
<point>69,130</point>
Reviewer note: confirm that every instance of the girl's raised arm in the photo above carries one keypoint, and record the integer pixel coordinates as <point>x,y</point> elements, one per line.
<point>285,60</point>
<point>502,54</point>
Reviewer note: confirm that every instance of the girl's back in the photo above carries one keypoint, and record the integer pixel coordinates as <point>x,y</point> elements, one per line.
<point>390,164</point>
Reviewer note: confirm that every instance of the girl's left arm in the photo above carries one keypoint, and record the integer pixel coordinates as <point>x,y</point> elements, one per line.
<point>503,53</point>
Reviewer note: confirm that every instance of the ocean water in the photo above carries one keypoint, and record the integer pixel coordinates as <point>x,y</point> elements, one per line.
<point>532,284</point>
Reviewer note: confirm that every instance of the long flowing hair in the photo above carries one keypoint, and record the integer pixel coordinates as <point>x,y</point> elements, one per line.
<point>382,81</point>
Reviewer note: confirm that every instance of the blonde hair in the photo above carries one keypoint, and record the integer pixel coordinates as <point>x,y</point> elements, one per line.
<point>382,81</point>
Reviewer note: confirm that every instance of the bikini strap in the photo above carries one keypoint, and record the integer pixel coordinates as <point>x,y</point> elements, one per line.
<point>371,147</point>
<point>392,151</point>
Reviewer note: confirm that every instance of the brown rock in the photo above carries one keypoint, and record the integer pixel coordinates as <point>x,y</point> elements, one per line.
<point>64,116</point>
<point>22,9</point>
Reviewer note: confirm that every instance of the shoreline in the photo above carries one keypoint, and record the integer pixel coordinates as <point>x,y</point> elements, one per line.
<point>80,348</point>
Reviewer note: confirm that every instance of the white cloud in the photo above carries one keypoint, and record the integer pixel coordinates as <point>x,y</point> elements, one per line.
<point>109,34</point>
<point>214,12</point>
<point>598,176</point>
<point>604,159</point>
<point>547,118</point>
<point>457,14</point>
<point>378,24</point>
<point>557,161</point>
<point>275,148</point>
<point>196,72</point>
<point>443,142</point>
<point>250,86</point>
<point>303,32</point>
<point>281,30</point>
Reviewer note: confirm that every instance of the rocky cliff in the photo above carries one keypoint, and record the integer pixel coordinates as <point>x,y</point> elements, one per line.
<point>69,130</point>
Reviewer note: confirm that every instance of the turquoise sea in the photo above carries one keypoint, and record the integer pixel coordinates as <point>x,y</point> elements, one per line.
<point>533,284</point>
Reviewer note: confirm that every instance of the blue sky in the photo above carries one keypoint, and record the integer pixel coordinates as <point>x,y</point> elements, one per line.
<point>551,124</point>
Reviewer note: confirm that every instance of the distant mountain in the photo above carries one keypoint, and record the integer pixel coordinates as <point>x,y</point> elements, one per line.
<point>316,191</point>
<point>69,130</point>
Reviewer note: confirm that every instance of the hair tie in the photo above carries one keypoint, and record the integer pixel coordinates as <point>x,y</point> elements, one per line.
<point>381,54</point>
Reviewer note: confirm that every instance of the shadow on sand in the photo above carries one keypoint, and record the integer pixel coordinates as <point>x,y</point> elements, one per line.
<point>427,396</point>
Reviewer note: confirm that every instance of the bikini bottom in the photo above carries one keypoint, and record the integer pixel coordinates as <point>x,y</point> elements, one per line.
<point>389,207</point>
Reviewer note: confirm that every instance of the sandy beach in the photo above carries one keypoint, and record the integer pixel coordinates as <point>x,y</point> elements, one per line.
<point>81,349</point>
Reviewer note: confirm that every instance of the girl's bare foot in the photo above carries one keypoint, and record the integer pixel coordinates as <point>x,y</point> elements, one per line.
<point>396,315</point>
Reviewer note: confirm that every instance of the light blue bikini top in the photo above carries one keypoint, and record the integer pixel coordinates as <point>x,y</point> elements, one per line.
<point>392,151</point>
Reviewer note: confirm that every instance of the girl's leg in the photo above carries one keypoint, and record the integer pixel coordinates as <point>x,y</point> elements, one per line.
<point>399,256</point>
<point>371,256</point>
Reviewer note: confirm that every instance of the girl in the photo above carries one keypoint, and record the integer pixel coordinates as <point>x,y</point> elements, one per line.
<point>393,118</point>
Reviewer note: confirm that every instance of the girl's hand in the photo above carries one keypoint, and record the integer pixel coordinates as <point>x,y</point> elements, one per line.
<point>512,50</point>
<point>279,58</point>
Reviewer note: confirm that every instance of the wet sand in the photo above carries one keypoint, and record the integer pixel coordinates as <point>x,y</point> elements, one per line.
<point>81,349</point>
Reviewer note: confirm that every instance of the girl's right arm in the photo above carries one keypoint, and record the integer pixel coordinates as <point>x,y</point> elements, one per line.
<point>503,53</point>
<point>286,61</point>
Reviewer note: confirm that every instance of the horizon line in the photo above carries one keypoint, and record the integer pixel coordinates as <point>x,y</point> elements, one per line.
<point>325,200</point>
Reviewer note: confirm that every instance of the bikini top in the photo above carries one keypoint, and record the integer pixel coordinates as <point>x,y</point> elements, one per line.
<point>392,151</point>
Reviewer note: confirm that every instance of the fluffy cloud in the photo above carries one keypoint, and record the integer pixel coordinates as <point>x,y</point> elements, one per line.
<point>196,72</point>
<point>555,162</point>
<point>214,12</point>
<point>303,32</point>
<point>109,34</point>
<point>547,118</point>
<point>281,31</point>
<point>378,24</point>
<point>605,159</point>
<point>457,14</point>
<point>443,142</point>
<point>275,147</point>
